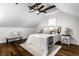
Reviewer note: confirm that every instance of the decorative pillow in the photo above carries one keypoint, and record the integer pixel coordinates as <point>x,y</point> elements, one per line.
<point>50,30</point>
<point>46,31</point>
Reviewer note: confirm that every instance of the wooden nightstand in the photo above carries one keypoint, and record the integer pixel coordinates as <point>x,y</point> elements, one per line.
<point>65,39</point>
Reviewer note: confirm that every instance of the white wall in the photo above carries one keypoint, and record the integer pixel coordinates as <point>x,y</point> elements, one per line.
<point>10,15</point>
<point>15,18</point>
<point>63,20</point>
<point>6,32</point>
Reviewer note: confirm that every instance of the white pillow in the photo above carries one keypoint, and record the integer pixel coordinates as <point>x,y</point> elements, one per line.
<point>48,30</point>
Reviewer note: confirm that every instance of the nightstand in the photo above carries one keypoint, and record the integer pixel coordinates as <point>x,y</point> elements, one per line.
<point>65,39</point>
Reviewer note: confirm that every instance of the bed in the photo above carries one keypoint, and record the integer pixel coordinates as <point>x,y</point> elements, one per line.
<point>39,44</point>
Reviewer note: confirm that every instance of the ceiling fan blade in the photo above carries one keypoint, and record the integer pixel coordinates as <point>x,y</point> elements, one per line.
<point>53,6</point>
<point>43,11</point>
<point>33,6</point>
<point>38,3</point>
<point>31,11</point>
<point>30,8</point>
<point>41,7</point>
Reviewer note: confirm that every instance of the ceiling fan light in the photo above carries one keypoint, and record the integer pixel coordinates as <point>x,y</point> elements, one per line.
<point>37,11</point>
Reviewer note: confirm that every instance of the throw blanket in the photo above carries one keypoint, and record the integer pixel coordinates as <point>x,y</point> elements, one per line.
<point>42,41</point>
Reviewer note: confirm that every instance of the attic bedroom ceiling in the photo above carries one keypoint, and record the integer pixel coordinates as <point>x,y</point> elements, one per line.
<point>17,15</point>
<point>71,9</point>
<point>12,14</point>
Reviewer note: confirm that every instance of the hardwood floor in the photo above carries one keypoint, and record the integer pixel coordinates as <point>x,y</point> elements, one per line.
<point>14,49</point>
<point>72,50</point>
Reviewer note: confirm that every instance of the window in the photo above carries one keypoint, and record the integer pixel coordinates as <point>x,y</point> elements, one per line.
<point>52,21</point>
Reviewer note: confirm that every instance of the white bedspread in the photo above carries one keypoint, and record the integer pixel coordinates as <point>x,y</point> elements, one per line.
<point>41,41</point>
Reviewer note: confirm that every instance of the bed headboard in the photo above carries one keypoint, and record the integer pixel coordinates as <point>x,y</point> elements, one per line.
<point>51,29</point>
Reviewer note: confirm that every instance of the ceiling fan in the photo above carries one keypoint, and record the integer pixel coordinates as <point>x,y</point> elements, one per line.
<point>33,6</point>
<point>37,9</point>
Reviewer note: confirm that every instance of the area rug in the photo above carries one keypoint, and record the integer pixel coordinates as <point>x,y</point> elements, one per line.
<point>37,52</point>
<point>53,50</point>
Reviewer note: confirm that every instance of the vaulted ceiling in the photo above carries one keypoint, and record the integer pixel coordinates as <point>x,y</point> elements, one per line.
<point>71,9</point>
<point>17,15</point>
<point>12,14</point>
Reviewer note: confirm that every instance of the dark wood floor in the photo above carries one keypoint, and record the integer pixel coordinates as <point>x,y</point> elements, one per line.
<point>72,50</point>
<point>14,49</point>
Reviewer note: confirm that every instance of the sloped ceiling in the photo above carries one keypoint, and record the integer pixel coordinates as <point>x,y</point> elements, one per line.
<point>17,15</point>
<point>13,15</point>
<point>71,9</point>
